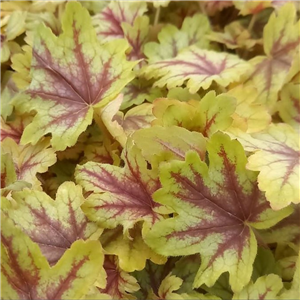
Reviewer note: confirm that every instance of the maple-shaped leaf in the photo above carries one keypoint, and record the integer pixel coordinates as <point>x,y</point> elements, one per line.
<point>165,144</point>
<point>265,287</point>
<point>211,114</point>
<point>120,285</point>
<point>234,36</point>
<point>137,35</point>
<point>197,68</point>
<point>29,159</point>
<point>286,231</point>
<point>120,126</point>
<point>289,105</point>
<point>173,40</point>
<point>281,44</point>
<point>276,157</point>
<point>120,195</point>
<point>71,74</point>
<point>26,273</point>
<point>108,23</point>
<point>138,91</point>
<point>217,207</point>
<point>249,116</point>
<point>132,251</point>
<point>14,128</point>
<point>53,225</point>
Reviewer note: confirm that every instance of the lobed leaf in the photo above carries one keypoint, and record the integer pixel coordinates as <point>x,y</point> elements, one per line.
<point>217,207</point>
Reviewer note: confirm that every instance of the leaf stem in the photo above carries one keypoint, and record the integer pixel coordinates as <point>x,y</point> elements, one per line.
<point>157,14</point>
<point>252,22</point>
<point>202,8</point>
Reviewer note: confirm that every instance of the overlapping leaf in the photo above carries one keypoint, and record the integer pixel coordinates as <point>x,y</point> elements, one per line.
<point>217,207</point>
<point>108,23</point>
<point>132,251</point>
<point>53,225</point>
<point>29,160</point>
<point>276,157</point>
<point>120,195</point>
<point>281,41</point>
<point>26,273</point>
<point>173,40</point>
<point>71,74</point>
<point>198,69</point>
<point>120,284</point>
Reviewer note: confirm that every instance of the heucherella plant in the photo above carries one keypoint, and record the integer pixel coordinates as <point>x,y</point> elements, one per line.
<point>150,150</point>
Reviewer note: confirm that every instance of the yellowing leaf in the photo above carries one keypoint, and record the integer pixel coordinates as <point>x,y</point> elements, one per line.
<point>131,251</point>
<point>276,157</point>
<point>29,160</point>
<point>120,195</point>
<point>53,225</point>
<point>71,74</point>
<point>249,116</point>
<point>216,208</point>
<point>251,7</point>
<point>173,40</point>
<point>211,114</point>
<point>266,287</point>
<point>120,284</point>
<point>281,44</point>
<point>108,23</point>
<point>198,69</point>
<point>160,144</point>
<point>182,94</point>
<point>26,273</point>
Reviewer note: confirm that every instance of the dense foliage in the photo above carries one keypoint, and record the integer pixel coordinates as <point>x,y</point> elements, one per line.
<point>150,150</point>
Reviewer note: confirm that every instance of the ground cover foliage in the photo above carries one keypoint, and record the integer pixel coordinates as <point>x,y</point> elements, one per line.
<point>150,150</point>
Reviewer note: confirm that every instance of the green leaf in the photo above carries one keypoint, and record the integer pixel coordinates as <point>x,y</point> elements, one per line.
<point>217,207</point>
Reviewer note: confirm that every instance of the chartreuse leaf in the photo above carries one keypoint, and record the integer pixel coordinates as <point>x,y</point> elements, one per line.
<point>173,40</point>
<point>71,74</point>
<point>182,94</point>
<point>29,160</point>
<point>249,116</point>
<point>120,195</point>
<point>120,284</point>
<point>53,225</point>
<point>8,91</point>
<point>289,105</point>
<point>211,114</point>
<point>168,143</point>
<point>216,208</point>
<point>276,158</point>
<point>131,251</point>
<point>265,287</point>
<point>197,68</point>
<point>108,23</point>
<point>26,274</point>
<point>281,43</point>
<point>251,7</point>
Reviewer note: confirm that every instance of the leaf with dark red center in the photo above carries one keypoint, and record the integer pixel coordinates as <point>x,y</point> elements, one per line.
<point>277,158</point>
<point>198,69</point>
<point>108,23</point>
<point>71,74</point>
<point>217,207</point>
<point>120,195</point>
<point>26,273</point>
<point>53,225</point>
<point>120,284</point>
<point>29,160</point>
<point>281,45</point>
